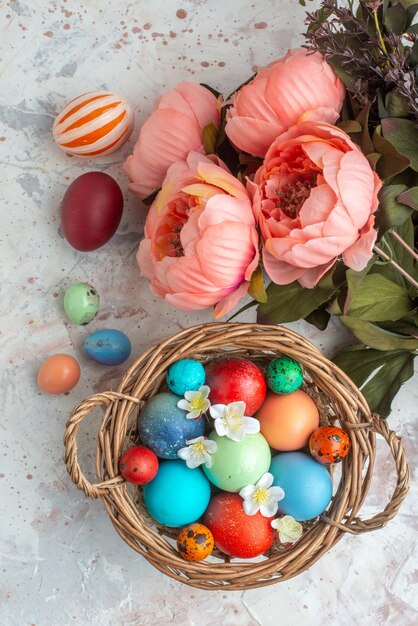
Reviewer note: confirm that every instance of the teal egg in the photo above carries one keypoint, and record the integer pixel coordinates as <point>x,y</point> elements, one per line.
<point>178,495</point>
<point>284,375</point>
<point>236,464</point>
<point>164,428</point>
<point>185,375</point>
<point>81,303</point>
<point>306,483</point>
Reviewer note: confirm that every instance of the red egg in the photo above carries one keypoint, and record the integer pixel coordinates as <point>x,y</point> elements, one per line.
<point>232,379</point>
<point>236,533</point>
<point>91,210</point>
<point>138,465</point>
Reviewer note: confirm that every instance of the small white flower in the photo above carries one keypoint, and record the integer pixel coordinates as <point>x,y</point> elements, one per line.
<point>196,402</point>
<point>288,529</point>
<point>198,451</point>
<point>231,422</point>
<point>262,497</point>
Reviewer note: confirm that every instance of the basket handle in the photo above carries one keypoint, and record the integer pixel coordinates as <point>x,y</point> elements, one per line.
<point>70,444</point>
<point>358,526</point>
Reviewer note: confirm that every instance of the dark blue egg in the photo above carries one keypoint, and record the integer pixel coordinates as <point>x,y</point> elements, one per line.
<point>107,347</point>
<point>164,428</point>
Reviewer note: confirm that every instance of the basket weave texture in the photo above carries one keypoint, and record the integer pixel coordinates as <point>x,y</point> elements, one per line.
<point>339,402</point>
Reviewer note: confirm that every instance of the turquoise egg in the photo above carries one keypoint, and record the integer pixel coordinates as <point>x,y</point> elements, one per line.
<point>178,495</point>
<point>236,464</point>
<point>284,375</point>
<point>185,375</point>
<point>164,428</point>
<point>81,303</point>
<point>107,347</point>
<point>307,485</point>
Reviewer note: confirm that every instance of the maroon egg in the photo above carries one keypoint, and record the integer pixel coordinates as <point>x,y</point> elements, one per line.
<point>91,210</point>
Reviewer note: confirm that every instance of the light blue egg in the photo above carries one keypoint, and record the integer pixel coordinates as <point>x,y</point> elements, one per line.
<point>107,347</point>
<point>164,428</point>
<point>178,495</point>
<point>306,483</point>
<point>185,375</point>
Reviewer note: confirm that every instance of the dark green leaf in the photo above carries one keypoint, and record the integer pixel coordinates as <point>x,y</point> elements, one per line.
<point>413,29</point>
<point>409,197</point>
<point>408,325</point>
<point>396,106</point>
<point>288,303</point>
<point>408,3</point>
<point>256,289</point>
<point>366,143</point>
<point>399,255</point>
<point>373,158</point>
<point>210,136</point>
<point>347,78</point>
<point>395,19</point>
<point>350,126</point>
<point>375,337</point>
<point>391,161</point>
<point>390,212</point>
<point>378,299</point>
<point>414,55</point>
<point>150,199</point>
<point>403,134</point>
<point>319,318</point>
<point>211,89</point>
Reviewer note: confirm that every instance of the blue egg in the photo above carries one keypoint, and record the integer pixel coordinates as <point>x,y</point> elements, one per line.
<point>306,483</point>
<point>185,375</point>
<point>164,428</point>
<point>178,495</point>
<point>107,347</point>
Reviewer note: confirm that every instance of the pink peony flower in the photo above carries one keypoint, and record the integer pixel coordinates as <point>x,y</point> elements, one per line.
<point>169,134</point>
<point>201,243</point>
<point>300,86</point>
<point>314,199</point>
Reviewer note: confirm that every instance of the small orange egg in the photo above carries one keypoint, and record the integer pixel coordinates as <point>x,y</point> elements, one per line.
<point>195,542</point>
<point>287,421</point>
<point>58,374</point>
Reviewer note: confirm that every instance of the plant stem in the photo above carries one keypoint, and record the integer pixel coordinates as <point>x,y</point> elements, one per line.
<point>404,244</point>
<point>385,256</point>
<point>382,42</point>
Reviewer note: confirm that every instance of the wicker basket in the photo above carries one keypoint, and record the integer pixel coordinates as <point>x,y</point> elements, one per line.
<point>339,401</point>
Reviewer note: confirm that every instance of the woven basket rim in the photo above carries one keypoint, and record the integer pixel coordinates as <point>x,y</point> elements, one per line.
<point>144,378</point>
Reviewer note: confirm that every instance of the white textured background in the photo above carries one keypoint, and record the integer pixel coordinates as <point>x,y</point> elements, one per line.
<point>62,562</point>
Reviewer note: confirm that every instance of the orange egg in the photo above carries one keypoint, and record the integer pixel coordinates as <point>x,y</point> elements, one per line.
<point>58,374</point>
<point>195,542</point>
<point>287,421</point>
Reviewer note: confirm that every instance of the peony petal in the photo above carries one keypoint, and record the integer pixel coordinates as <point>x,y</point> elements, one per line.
<point>250,507</point>
<point>312,276</point>
<point>356,186</point>
<point>230,301</point>
<point>318,206</point>
<point>280,272</point>
<point>250,101</point>
<point>214,175</point>
<point>359,254</point>
<point>251,135</point>
<point>199,102</point>
<point>222,208</point>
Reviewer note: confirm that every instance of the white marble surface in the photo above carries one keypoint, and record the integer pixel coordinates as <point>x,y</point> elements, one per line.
<point>62,562</point>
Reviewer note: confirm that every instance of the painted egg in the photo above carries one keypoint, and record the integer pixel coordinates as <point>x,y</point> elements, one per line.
<point>185,375</point>
<point>287,421</point>
<point>107,347</point>
<point>164,428</point>
<point>195,542</point>
<point>58,374</point>
<point>91,210</point>
<point>178,495</point>
<point>95,123</point>
<point>284,375</point>
<point>236,464</point>
<point>329,444</point>
<point>231,379</point>
<point>81,303</point>
<point>236,533</point>
<point>306,484</point>
<point>138,465</point>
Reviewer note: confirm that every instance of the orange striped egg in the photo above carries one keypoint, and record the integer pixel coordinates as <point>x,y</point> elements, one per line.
<point>93,124</point>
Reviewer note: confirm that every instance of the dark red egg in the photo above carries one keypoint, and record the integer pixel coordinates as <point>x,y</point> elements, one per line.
<point>232,379</point>
<point>236,533</point>
<point>91,210</point>
<point>329,444</point>
<point>138,465</point>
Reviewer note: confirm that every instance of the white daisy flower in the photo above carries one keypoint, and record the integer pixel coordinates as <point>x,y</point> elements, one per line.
<point>262,497</point>
<point>288,529</point>
<point>198,451</point>
<point>196,402</point>
<point>231,422</point>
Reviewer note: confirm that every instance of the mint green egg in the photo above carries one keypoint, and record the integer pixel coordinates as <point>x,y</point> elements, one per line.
<point>236,464</point>
<point>81,303</point>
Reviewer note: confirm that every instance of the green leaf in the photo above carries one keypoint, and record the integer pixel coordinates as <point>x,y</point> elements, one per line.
<point>366,143</point>
<point>388,371</point>
<point>150,199</point>
<point>347,78</point>
<point>210,137</point>
<point>391,212</point>
<point>395,19</point>
<point>373,158</point>
<point>350,126</point>
<point>396,106</point>
<point>391,161</point>
<point>408,325</point>
<point>378,299</point>
<point>288,303</point>
<point>319,318</point>
<point>413,60</point>
<point>403,134</point>
<point>211,89</point>
<point>256,289</point>
<point>408,3</point>
<point>413,29</point>
<point>375,337</point>
<point>399,255</point>
<point>409,197</point>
